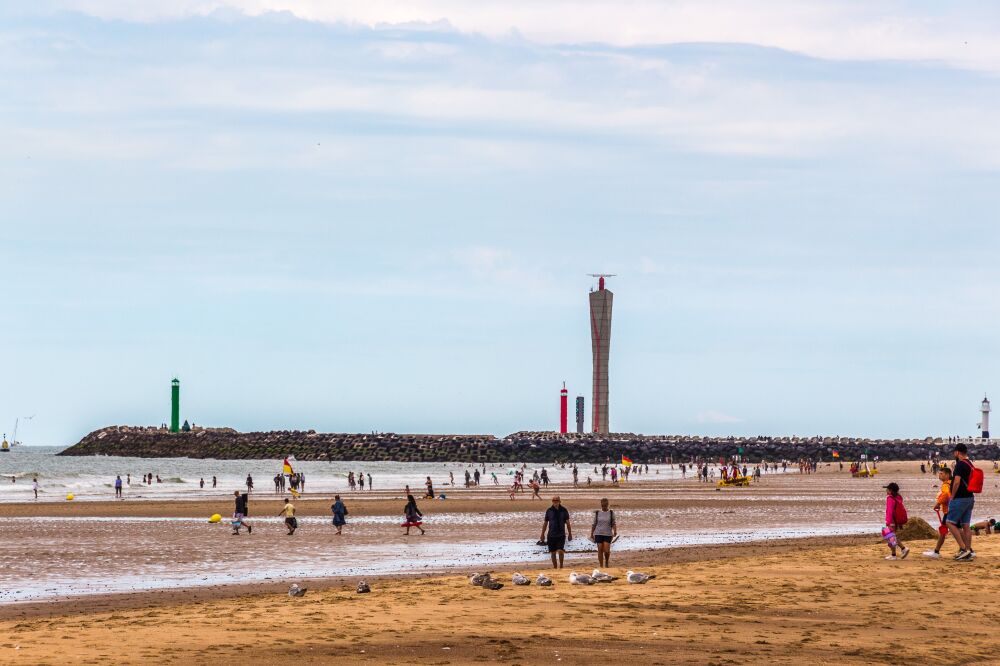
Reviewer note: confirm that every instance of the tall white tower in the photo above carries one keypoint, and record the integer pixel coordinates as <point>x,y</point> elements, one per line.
<point>985,425</point>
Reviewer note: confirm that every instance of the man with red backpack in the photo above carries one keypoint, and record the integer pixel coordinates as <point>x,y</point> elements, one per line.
<point>967,480</point>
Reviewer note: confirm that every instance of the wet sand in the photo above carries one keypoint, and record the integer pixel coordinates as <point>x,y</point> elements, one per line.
<point>791,603</point>
<point>55,551</point>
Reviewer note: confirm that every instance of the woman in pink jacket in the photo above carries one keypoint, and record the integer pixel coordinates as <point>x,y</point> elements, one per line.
<point>895,518</point>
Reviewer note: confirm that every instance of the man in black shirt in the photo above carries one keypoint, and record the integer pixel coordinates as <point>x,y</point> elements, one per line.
<point>558,532</point>
<point>959,518</point>
<point>241,511</point>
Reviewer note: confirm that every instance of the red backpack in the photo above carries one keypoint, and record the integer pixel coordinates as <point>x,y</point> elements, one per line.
<point>899,512</point>
<point>975,479</point>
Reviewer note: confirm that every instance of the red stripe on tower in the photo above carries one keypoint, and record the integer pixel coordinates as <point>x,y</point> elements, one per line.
<point>563,410</point>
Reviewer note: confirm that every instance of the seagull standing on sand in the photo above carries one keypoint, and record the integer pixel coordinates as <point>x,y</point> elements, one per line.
<point>581,579</point>
<point>637,578</point>
<point>602,577</point>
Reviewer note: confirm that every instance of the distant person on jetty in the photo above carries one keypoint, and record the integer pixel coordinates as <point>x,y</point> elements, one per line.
<point>941,508</point>
<point>118,486</point>
<point>556,530</point>
<point>249,483</point>
<point>959,518</point>
<point>603,531</point>
<point>413,516</point>
<point>288,512</point>
<point>240,512</point>
<point>895,518</point>
<point>339,513</point>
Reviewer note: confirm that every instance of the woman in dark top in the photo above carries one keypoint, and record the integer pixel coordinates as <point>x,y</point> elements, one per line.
<point>413,516</point>
<point>339,511</point>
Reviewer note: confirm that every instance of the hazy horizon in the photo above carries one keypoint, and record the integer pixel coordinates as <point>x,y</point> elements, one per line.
<point>352,216</point>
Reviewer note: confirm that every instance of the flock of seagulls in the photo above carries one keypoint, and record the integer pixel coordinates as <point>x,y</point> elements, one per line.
<point>485,580</point>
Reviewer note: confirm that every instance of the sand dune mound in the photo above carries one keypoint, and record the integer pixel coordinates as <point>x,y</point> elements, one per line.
<point>916,529</point>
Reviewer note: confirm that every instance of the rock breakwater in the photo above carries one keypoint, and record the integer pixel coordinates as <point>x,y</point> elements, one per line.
<point>226,443</point>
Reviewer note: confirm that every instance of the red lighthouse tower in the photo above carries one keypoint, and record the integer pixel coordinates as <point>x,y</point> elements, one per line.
<point>563,410</point>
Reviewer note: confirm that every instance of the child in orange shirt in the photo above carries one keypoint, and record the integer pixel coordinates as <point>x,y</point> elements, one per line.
<point>941,507</point>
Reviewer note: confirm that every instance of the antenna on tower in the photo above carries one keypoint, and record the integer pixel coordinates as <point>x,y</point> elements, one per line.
<point>600,279</point>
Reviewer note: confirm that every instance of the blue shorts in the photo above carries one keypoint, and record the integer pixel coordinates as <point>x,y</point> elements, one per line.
<point>960,511</point>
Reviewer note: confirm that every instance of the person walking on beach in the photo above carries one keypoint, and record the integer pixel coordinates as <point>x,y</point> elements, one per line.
<point>941,508</point>
<point>215,482</point>
<point>249,484</point>
<point>288,512</point>
<point>895,518</point>
<point>202,483</point>
<point>603,531</point>
<point>430,488</point>
<point>535,488</point>
<point>34,486</point>
<point>556,530</point>
<point>339,513</point>
<point>118,486</point>
<point>240,512</point>
<point>413,515</point>
<point>361,481</point>
<point>369,482</point>
<point>959,518</point>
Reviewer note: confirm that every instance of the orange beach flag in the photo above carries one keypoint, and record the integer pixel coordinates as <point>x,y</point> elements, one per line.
<point>836,454</point>
<point>626,461</point>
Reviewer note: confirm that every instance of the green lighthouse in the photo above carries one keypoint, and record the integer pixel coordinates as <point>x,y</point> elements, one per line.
<point>175,405</point>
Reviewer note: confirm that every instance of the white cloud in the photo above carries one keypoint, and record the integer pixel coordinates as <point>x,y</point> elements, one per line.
<point>962,33</point>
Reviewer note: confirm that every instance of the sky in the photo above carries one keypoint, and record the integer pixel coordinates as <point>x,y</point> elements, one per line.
<point>355,216</point>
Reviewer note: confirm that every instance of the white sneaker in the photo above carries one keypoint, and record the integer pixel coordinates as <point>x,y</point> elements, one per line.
<point>932,554</point>
<point>891,557</point>
<point>906,551</point>
<point>972,555</point>
<point>961,555</point>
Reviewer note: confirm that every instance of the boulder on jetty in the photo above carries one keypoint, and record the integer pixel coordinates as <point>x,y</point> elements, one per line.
<point>534,447</point>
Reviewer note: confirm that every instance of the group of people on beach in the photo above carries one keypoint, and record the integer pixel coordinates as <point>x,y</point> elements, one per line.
<point>954,504</point>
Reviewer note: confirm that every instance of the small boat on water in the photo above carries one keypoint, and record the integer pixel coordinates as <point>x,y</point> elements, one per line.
<point>6,446</point>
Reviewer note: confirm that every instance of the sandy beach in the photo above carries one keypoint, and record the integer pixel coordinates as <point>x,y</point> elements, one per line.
<point>794,561</point>
<point>789,604</point>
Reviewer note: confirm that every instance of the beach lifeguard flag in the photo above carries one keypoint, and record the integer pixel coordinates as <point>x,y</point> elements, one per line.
<point>836,454</point>
<point>286,468</point>
<point>626,461</point>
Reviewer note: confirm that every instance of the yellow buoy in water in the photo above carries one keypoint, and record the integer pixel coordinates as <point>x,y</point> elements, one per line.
<point>215,518</point>
<point>70,497</point>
